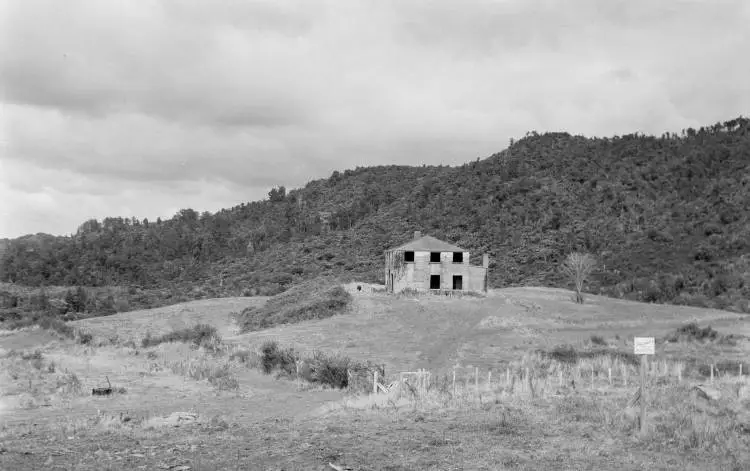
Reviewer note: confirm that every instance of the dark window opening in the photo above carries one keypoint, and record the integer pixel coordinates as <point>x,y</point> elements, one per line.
<point>434,281</point>
<point>408,256</point>
<point>434,257</point>
<point>458,282</point>
<point>458,257</point>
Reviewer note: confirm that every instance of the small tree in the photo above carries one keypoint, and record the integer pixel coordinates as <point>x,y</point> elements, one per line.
<point>578,267</point>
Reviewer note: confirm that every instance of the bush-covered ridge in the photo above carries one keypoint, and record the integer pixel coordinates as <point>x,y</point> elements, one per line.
<point>666,216</point>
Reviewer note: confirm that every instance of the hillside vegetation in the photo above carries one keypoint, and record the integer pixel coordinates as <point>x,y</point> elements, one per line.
<point>667,217</point>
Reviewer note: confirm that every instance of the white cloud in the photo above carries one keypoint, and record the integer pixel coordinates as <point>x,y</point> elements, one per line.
<point>112,107</point>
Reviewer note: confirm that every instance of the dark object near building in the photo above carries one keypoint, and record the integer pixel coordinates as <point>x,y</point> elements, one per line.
<point>359,287</point>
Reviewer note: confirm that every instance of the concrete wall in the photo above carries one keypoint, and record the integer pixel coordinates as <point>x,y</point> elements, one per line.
<point>416,275</point>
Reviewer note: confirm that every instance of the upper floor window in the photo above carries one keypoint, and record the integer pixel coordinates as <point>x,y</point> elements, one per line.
<point>434,257</point>
<point>458,257</point>
<point>408,256</point>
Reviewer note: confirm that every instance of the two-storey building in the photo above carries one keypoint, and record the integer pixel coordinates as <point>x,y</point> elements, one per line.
<point>426,263</point>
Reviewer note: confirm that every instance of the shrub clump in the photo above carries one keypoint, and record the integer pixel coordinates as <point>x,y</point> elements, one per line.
<point>200,335</point>
<point>337,371</point>
<point>272,358</point>
<point>690,332</point>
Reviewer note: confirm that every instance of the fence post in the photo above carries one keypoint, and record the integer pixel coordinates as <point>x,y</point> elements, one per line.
<point>375,382</point>
<point>643,395</point>
<point>507,376</point>
<point>712,372</point>
<point>559,379</point>
<point>625,375</point>
<point>679,373</point>
<point>489,380</point>
<point>609,372</point>
<point>527,383</point>
<point>476,379</point>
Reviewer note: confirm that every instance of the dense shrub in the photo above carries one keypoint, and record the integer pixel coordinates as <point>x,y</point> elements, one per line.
<point>272,358</point>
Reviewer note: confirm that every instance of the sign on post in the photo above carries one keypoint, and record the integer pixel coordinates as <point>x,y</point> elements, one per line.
<point>643,346</point>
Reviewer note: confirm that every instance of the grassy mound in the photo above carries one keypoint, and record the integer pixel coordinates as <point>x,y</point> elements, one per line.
<point>304,302</point>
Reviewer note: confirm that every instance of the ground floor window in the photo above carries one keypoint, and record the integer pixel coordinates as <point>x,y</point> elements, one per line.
<point>434,281</point>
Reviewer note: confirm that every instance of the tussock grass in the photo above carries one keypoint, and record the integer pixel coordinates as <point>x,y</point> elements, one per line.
<point>570,355</point>
<point>304,302</point>
<point>676,418</point>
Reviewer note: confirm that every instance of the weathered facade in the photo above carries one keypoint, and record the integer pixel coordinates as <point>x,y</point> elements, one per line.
<point>428,264</point>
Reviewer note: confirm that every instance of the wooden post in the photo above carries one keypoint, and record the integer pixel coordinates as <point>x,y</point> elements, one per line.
<point>740,369</point>
<point>643,395</point>
<point>476,379</point>
<point>507,376</point>
<point>679,373</point>
<point>609,372</point>
<point>375,382</point>
<point>643,346</point>
<point>489,380</point>
<point>712,372</point>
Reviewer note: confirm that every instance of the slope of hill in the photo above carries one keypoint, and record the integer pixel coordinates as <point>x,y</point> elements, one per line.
<point>438,333</point>
<point>666,216</point>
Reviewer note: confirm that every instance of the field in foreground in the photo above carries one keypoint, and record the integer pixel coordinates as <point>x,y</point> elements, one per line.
<point>50,420</point>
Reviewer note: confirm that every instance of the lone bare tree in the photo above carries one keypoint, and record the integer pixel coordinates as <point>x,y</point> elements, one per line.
<point>578,267</point>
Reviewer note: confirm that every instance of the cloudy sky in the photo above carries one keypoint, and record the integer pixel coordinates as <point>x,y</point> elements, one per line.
<point>140,108</point>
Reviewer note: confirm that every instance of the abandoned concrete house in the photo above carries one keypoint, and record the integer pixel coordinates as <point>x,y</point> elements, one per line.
<point>428,264</point>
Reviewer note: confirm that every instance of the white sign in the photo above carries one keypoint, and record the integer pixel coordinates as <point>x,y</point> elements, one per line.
<point>644,346</point>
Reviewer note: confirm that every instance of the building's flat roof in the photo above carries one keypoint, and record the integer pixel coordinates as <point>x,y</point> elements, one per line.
<point>429,244</point>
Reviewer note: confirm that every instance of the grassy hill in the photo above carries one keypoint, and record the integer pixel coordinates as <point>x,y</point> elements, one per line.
<point>667,217</point>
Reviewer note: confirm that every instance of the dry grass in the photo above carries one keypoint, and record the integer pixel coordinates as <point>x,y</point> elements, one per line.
<point>265,423</point>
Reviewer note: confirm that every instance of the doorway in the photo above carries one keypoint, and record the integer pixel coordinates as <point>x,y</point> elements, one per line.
<point>458,282</point>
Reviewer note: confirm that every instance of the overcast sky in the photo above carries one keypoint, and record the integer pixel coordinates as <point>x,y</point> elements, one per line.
<point>143,107</point>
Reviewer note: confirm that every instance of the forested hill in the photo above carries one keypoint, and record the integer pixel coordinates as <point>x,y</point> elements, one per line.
<point>668,217</point>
